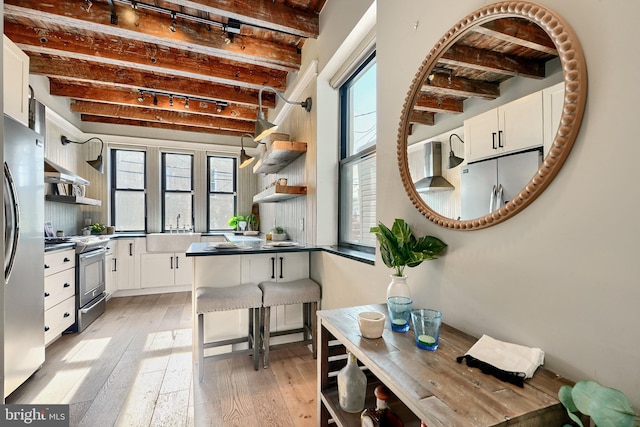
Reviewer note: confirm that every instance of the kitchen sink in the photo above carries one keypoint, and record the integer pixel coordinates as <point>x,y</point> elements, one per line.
<point>171,242</point>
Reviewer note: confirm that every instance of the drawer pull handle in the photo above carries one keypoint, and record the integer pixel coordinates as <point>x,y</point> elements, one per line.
<point>46,294</point>
<point>66,314</point>
<point>66,285</point>
<point>46,328</point>
<point>46,266</point>
<point>66,260</point>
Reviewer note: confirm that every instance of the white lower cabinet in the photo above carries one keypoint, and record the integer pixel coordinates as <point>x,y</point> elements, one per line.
<point>165,269</point>
<point>278,267</point>
<point>231,270</point>
<point>111,268</point>
<point>126,264</point>
<point>59,293</point>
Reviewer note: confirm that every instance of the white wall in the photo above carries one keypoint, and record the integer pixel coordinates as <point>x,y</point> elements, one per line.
<point>563,275</point>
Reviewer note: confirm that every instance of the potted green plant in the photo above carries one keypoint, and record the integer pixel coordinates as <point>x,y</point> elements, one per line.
<point>606,406</point>
<point>399,248</point>
<point>234,221</point>
<point>278,233</point>
<point>252,222</point>
<point>98,228</point>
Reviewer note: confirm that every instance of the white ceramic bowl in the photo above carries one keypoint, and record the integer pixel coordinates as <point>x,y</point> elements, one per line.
<point>371,324</point>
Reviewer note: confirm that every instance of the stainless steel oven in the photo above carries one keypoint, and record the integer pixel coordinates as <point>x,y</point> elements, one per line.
<point>91,298</point>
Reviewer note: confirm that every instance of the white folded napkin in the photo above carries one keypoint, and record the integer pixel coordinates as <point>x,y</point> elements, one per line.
<point>507,356</point>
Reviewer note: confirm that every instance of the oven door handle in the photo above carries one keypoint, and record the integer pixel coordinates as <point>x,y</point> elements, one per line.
<point>92,254</point>
<point>88,309</point>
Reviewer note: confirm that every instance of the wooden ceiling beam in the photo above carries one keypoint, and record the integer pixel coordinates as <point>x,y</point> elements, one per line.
<point>261,13</point>
<point>494,62</point>
<point>119,76</point>
<point>162,116</point>
<point>422,117</point>
<point>140,25</point>
<point>444,85</point>
<point>520,32</point>
<point>149,58</point>
<point>129,96</point>
<point>436,104</point>
<point>158,125</point>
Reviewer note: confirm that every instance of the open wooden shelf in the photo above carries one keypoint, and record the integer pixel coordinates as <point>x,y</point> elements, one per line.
<point>278,193</point>
<point>76,200</point>
<point>278,155</point>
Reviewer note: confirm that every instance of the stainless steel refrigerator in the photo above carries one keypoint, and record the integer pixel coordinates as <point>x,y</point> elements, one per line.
<point>489,184</point>
<point>24,253</point>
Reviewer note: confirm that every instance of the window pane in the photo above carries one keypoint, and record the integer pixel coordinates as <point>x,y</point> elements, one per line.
<point>129,169</point>
<point>361,111</point>
<point>358,203</point>
<point>221,174</point>
<point>357,158</point>
<point>178,204</point>
<point>129,210</point>
<point>178,172</point>
<point>221,208</point>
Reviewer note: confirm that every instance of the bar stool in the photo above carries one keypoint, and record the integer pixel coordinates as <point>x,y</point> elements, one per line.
<point>209,299</point>
<point>303,291</point>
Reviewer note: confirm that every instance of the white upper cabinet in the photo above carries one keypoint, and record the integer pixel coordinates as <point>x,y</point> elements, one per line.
<point>15,66</point>
<point>552,103</point>
<point>515,126</point>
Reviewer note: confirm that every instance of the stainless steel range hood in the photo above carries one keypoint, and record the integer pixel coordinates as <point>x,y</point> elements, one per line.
<point>57,174</point>
<point>433,180</point>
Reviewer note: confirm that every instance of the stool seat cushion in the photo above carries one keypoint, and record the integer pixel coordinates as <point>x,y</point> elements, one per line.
<point>294,292</point>
<point>228,298</point>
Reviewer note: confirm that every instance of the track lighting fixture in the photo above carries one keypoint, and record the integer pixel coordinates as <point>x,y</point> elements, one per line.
<point>219,105</point>
<point>453,159</point>
<point>172,27</point>
<point>231,29</point>
<point>97,164</point>
<point>245,159</point>
<point>86,6</point>
<point>264,127</point>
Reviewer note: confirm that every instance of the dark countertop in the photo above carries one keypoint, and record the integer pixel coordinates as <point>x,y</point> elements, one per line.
<point>256,246</point>
<point>50,247</point>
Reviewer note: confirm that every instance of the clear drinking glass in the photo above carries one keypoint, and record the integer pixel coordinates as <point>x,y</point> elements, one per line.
<point>426,326</point>
<point>399,313</point>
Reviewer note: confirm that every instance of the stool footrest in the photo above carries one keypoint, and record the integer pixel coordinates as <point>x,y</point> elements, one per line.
<point>248,351</point>
<point>214,344</point>
<point>287,332</point>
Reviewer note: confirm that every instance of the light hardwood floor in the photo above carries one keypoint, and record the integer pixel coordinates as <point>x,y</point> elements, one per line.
<point>133,367</point>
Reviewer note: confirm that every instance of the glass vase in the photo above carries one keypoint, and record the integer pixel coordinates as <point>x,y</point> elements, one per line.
<point>352,386</point>
<point>398,287</point>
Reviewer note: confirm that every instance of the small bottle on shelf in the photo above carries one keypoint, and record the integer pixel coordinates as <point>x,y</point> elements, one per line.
<point>352,386</point>
<point>381,415</point>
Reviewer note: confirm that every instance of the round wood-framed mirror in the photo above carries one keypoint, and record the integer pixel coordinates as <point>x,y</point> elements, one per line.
<point>504,24</point>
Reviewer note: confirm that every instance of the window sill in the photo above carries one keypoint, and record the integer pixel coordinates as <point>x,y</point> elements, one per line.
<point>360,256</point>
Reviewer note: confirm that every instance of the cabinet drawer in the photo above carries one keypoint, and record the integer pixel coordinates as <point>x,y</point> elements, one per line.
<point>58,287</point>
<point>58,318</point>
<point>55,262</point>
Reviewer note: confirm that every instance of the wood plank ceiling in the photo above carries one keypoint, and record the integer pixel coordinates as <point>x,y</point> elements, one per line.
<point>476,64</point>
<point>199,65</point>
<point>176,64</point>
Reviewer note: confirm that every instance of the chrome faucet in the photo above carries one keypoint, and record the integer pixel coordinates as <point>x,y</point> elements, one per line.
<point>178,222</point>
